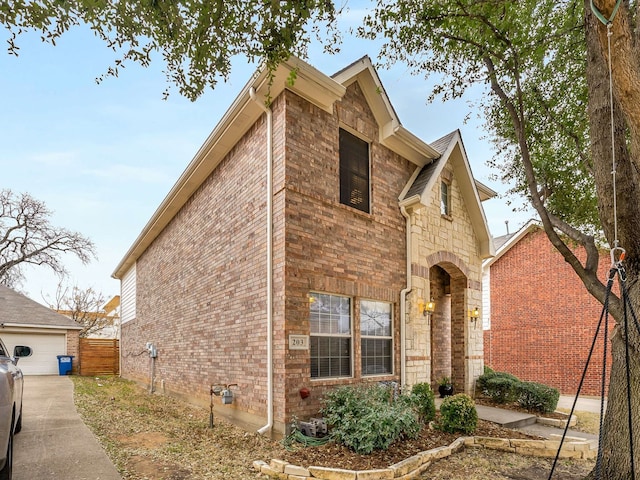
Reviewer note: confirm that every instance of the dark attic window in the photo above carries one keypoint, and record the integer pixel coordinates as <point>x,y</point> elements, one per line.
<point>354,171</point>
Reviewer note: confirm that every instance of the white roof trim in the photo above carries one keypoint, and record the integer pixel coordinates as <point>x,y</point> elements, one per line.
<point>530,226</point>
<point>469,190</point>
<point>31,326</point>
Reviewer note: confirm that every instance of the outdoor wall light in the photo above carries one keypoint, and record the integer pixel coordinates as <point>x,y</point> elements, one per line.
<point>426,308</point>
<point>474,315</point>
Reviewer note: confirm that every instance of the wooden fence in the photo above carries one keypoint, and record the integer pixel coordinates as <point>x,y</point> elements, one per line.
<point>99,356</point>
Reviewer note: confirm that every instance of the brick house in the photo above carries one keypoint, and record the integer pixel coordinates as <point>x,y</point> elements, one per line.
<point>540,320</point>
<point>298,250</point>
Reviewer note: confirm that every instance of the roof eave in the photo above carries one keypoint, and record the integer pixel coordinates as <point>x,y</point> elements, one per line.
<point>310,83</point>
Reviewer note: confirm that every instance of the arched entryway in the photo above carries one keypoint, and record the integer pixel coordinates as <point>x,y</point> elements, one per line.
<point>447,285</point>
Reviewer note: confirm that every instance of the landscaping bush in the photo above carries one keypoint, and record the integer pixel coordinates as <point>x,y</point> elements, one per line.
<point>538,397</point>
<point>423,398</point>
<point>500,387</point>
<point>364,418</point>
<point>458,414</point>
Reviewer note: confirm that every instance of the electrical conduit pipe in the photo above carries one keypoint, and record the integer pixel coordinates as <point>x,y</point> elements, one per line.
<point>269,425</point>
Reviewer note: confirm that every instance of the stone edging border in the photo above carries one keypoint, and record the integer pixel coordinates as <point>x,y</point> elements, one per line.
<point>412,467</point>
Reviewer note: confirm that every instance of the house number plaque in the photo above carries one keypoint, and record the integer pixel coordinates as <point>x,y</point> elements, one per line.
<point>298,342</point>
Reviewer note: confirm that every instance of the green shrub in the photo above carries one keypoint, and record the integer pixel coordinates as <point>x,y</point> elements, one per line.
<point>423,398</point>
<point>538,397</point>
<point>458,414</point>
<point>500,387</point>
<point>364,418</point>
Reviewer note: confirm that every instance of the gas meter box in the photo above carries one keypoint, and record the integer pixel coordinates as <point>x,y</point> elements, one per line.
<point>227,397</point>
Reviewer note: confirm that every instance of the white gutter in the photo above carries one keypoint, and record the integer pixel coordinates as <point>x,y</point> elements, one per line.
<point>266,428</point>
<point>403,303</point>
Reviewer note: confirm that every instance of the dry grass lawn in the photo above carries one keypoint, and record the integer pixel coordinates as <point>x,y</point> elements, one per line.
<point>155,437</point>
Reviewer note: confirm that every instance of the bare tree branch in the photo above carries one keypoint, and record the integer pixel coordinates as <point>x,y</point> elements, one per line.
<point>27,237</point>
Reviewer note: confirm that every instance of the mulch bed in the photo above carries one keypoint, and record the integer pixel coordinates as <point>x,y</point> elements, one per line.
<point>337,456</point>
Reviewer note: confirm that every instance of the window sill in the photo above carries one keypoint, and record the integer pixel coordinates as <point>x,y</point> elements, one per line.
<point>446,217</point>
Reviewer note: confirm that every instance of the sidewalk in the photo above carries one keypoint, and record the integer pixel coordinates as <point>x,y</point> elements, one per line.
<point>54,442</point>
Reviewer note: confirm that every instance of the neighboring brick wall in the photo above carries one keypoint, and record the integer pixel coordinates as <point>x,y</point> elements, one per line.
<point>542,318</point>
<point>73,348</point>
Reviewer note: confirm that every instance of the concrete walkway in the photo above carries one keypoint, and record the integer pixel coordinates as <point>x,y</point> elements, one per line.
<point>527,422</point>
<point>54,442</point>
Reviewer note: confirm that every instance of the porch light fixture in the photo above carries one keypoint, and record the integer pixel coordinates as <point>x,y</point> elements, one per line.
<point>426,308</point>
<point>474,315</point>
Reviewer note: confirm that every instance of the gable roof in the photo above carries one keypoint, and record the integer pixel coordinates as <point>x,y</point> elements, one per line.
<point>452,151</point>
<point>17,310</point>
<point>505,242</point>
<point>312,85</point>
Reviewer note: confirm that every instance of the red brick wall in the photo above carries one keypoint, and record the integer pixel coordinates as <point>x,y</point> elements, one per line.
<point>542,318</point>
<point>201,284</point>
<point>333,248</point>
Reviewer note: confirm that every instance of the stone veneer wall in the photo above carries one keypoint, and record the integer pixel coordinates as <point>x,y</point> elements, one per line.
<point>448,241</point>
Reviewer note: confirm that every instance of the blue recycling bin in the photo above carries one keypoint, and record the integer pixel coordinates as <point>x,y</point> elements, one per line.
<point>64,364</point>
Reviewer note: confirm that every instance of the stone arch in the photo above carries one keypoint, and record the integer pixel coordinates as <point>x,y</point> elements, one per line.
<point>448,283</point>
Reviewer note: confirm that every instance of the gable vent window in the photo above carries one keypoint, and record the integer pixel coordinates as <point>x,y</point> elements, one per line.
<point>354,171</point>
<point>445,199</point>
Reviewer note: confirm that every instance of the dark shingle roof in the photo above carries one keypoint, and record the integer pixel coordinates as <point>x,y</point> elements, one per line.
<point>442,143</point>
<point>501,240</point>
<point>420,183</point>
<point>15,308</point>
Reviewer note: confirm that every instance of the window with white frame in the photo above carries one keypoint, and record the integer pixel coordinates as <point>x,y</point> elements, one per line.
<point>376,332</point>
<point>330,322</point>
<point>445,199</point>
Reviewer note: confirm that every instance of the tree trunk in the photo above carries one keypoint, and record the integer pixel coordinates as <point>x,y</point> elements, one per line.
<point>616,439</point>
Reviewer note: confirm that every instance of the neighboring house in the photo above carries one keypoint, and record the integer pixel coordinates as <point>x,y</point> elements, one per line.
<point>298,250</point>
<point>49,334</point>
<point>104,323</point>
<point>541,320</point>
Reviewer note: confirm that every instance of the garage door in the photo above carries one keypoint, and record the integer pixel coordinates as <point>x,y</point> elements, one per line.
<point>46,347</point>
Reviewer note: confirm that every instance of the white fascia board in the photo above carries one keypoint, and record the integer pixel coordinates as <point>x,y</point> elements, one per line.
<point>310,83</point>
<point>32,327</point>
<point>530,226</point>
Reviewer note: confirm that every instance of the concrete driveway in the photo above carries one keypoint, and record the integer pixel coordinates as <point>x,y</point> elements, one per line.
<point>54,442</point>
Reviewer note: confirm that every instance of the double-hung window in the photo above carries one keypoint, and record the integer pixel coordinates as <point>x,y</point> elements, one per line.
<point>376,332</point>
<point>330,321</point>
<point>354,171</point>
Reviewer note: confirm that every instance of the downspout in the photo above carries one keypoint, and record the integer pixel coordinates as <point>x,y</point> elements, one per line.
<point>403,303</point>
<point>269,425</point>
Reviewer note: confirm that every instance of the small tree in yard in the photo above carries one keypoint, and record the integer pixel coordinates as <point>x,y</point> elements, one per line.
<point>85,307</point>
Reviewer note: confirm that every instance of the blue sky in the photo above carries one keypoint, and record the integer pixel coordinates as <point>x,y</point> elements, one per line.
<point>103,156</point>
